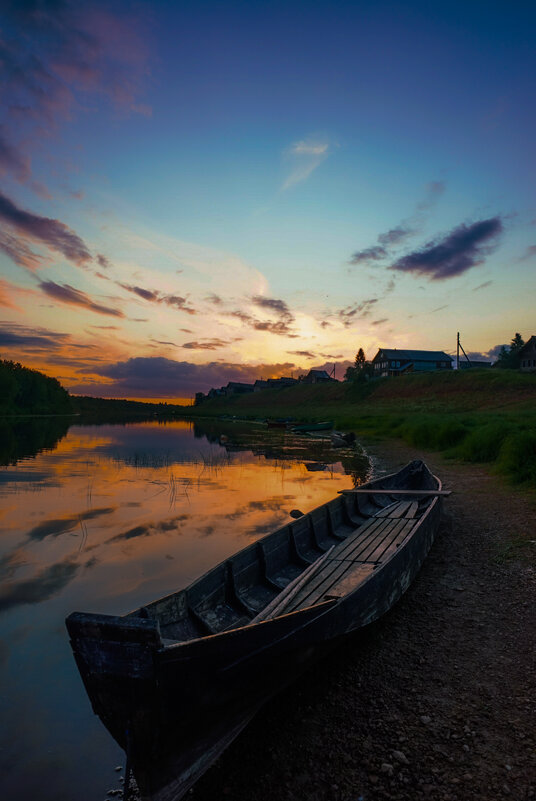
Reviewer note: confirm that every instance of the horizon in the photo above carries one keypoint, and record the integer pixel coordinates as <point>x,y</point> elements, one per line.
<point>186,204</point>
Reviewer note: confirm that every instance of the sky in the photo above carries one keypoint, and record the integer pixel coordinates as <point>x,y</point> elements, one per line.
<point>197,193</point>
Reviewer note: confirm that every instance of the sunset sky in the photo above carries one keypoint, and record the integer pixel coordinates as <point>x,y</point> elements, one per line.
<point>193,193</point>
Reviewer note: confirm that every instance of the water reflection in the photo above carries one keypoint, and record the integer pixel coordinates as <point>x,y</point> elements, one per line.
<point>106,518</point>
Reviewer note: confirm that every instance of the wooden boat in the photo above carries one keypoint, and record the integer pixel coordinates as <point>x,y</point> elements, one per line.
<point>278,423</point>
<point>176,681</point>
<point>325,426</point>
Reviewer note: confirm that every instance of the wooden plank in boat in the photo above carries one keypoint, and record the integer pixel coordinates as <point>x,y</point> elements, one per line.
<point>423,492</point>
<point>335,580</point>
<point>402,508</point>
<point>356,548</point>
<point>386,512</point>
<point>402,533</point>
<point>390,543</point>
<point>412,511</point>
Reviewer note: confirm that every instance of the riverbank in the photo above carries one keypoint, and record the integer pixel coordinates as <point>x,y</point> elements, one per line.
<point>476,416</point>
<point>436,701</point>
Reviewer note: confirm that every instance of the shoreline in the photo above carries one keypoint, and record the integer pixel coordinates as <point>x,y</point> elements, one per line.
<point>432,701</point>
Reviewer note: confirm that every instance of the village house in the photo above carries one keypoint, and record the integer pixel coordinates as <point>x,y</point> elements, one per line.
<point>527,356</point>
<point>284,381</point>
<point>317,377</point>
<point>393,362</point>
<point>237,388</point>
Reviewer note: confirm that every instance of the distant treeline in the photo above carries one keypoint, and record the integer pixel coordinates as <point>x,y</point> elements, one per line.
<point>100,410</point>
<point>25,391</point>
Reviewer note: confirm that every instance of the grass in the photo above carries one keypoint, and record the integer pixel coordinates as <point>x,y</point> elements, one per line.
<point>486,416</point>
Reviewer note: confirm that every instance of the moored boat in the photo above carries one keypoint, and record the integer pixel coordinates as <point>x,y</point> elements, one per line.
<point>176,681</point>
<point>323,426</point>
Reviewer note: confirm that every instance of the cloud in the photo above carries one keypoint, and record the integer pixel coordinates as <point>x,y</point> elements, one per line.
<point>31,339</point>
<point>147,529</point>
<point>11,561</point>
<point>209,344</point>
<point>357,311</point>
<point>12,160</point>
<point>279,306</point>
<point>280,327</point>
<point>395,235</point>
<point>150,377</point>
<point>67,294</point>
<point>181,304</point>
<point>52,233</point>
<point>103,261</point>
<point>155,296</point>
<point>305,156</point>
<point>464,247</point>
<point>530,253</point>
<point>434,190</point>
<point>59,49</point>
<point>146,294</point>
<point>55,527</point>
<point>380,322</point>
<point>46,584</point>
<point>375,253</point>
<point>5,299</point>
<point>213,298</point>
<point>19,252</point>
<point>482,286</point>
<point>403,231</point>
<point>305,353</point>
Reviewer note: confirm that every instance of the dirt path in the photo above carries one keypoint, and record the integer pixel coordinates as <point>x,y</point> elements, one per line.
<point>437,700</point>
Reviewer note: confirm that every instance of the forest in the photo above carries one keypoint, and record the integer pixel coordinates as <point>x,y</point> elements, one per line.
<point>26,391</point>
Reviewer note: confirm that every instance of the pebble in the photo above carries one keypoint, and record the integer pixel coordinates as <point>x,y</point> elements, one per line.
<point>426,719</point>
<point>387,768</point>
<point>401,757</point>
<point>119,767</point>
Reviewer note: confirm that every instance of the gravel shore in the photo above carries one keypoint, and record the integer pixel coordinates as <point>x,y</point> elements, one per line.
<point>435,701</point>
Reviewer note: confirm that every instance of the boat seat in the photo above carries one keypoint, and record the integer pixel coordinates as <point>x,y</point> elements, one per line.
<point>220,618</point>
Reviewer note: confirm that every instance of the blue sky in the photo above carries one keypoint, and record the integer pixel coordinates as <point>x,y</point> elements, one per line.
<point>235,189</point>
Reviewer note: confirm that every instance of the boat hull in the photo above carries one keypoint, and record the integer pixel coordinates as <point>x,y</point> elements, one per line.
<point>174,709</point>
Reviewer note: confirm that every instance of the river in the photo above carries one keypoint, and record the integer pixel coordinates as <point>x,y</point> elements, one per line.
<point>105,518</point>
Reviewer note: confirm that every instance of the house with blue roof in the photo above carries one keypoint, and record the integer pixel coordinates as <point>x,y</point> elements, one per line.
<point>392,361</point>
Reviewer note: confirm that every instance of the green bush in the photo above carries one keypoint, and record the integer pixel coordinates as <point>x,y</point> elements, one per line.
<point>483,443</point>
<point>517,457</point>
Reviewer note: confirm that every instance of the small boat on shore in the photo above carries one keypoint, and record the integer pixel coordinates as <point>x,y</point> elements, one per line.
<point>306,427</point>
<point>176,681</point>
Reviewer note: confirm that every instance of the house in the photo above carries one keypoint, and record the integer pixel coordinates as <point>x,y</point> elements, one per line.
<point>392,362</point>
<point>284,381</point>
<point>260,384</point>
<point>215,393</point>
<point>237,388</point>
<point>527,356</point>
<point>317,377</point>
<point>199,398</point>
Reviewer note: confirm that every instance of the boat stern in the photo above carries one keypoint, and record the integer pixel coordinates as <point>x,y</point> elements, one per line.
<point>116,660</point>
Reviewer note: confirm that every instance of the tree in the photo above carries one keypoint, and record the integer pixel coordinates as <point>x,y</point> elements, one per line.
<point>360,360</point>
<point>361,371</point>
<point>509,355</point>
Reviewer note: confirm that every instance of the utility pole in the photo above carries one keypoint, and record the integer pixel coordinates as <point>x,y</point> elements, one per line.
<point>458,346</point>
